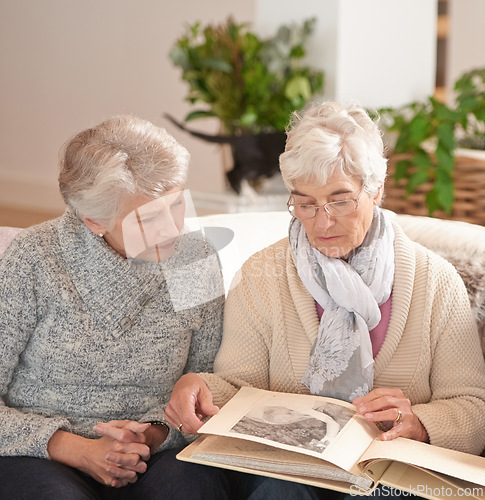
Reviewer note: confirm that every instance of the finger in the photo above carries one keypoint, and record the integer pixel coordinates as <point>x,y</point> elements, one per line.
<point>119,483</point>
<point>384,391</point>
<point>137,427</point>
<point>407,429</point>
<point>132,425</point>
<point>123,434</point>
<point>115,483</point>
<point>383,403</point>
<point>130,461</point>
<point>120,473</point>
<point>186,418</point>
<point>204,404</point>
<point>379,393</point>
<point>397,431</point>
<point>141,450</point>
<point>390,414</point>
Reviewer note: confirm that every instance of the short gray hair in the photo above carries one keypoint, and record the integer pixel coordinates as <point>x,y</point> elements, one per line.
<point>329,137</point>
<point>101,167</point>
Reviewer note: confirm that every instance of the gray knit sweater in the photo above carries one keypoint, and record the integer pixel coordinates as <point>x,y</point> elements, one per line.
<point>87,336</point>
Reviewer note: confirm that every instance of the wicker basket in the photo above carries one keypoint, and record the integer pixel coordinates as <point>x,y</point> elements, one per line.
<point>469,178</point>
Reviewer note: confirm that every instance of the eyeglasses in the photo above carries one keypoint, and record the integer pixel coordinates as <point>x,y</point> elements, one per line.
<point>334,208</point>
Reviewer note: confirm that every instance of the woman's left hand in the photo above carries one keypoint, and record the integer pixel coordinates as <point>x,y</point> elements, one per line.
<point>390,405</point>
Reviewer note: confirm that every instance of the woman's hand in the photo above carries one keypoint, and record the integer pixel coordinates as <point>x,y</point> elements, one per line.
<point>127,431</point>
<point>190,403</point>
<point>112,461</point>
<point>129,448</point>
<point>117,461</point>
<point>386,404</point>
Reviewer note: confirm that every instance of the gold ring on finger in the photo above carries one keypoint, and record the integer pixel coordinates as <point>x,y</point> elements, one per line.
<point>180,428</point>
<point>398,419</point>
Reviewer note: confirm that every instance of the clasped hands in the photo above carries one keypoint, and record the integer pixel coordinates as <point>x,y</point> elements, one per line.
<point>120,454</point>
<point>116,458</point>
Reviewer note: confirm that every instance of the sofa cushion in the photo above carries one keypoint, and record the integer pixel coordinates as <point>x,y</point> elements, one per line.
<point>460,243</point>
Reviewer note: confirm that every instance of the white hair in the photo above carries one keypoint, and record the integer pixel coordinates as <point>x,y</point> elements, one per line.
<point>102,167</point>
<point>328,138</point>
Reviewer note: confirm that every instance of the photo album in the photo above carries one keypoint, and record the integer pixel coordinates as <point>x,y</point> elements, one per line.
<point>324,442</point>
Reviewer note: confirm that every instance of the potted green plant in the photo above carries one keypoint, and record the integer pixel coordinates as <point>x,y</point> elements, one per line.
<point>251,84</point>
<point>426,153</point>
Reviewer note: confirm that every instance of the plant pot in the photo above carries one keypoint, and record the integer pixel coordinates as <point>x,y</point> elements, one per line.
<point>255,156</point>
<point>469,184</point>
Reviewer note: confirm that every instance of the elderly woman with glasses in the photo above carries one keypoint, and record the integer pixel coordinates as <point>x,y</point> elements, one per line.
<point>347,306</point>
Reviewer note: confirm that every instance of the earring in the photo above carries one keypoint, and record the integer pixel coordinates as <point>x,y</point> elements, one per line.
<point>101,235</point>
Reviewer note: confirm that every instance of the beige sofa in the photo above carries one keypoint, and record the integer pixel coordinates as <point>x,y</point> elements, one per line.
<point>237,236</point>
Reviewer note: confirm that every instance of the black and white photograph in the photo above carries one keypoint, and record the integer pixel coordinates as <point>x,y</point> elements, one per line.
<point>312,428</point>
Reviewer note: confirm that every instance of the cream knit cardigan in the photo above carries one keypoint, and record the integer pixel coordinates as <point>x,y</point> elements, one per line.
<point>431,350</point>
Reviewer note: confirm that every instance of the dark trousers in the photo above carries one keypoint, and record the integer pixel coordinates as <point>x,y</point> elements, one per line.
<point>27,478</point>
<point>253,487</point>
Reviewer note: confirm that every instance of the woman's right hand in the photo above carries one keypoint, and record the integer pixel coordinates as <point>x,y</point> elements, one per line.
<point>190,403</point>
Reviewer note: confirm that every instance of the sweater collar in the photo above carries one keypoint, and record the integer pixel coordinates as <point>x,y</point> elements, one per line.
<point>112,288</point>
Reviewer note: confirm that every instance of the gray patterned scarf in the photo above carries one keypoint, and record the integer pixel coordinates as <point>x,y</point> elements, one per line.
<point>341,364</point>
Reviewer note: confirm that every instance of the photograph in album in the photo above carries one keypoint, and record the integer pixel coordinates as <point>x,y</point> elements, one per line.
<point>312,427</point>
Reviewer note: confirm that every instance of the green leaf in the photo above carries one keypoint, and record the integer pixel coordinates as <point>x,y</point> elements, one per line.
<point>248,119</point>
<point>419,128</point>
<point>211,62</point>
<point>446,136</point>
<point>444,113</point>
<point>469,103</point>
<point>297,52</point>
<point>297,87</point>
<point>445,159</point>
<point>417,179</point>
<point>445,193</point>
<point>402,168</point>
<point>179,57</point>
<point>195,115</point>
<point>421,159</point>
<point>431,201</point>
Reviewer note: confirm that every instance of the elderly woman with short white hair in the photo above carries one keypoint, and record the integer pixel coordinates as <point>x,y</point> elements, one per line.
<point>347,306</point>
<point>97,323</point>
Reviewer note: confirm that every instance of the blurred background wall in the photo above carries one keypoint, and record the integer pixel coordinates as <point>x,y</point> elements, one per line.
<point>68,64</point>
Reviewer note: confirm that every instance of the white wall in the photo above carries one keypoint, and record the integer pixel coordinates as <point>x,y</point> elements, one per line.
<point>466,39</point>
<point>69,64</point>
<point>380,52</point>
<point>387,51</point>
